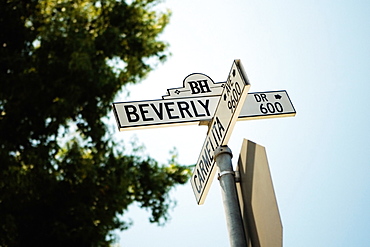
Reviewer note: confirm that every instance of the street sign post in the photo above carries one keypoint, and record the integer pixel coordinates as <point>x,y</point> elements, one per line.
<point>219,106</point>
<point>227,112</point>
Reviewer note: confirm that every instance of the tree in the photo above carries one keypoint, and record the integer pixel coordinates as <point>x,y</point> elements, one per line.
<point>63,181</point>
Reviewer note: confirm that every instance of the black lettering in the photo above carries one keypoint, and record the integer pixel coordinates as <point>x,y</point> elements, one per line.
<point>204,171</point>
<point>206,160</point>
<point>270,107</point>
<point>183,107</point>
<point>205,106</point>
<point>214,130</point>
<point>132,116</point>
<point>209,152</point>
<point>263,96</point>
<point>213,147</point>
<point>278,107</point>
<point>257,98</point>
<point>158,112</point>
<point>169,110</point>
<point>201,179</point>
<point>220,127</point>
<point>144,111</point>
<point>200,86</point>
<point>194,87</point>
<point>204,85</point>
<point>196,185</point>
<point>237,88</point>
<point>195,110</point>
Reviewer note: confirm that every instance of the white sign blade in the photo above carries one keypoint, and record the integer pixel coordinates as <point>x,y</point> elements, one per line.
<point>226,115</point>
<point>267,105</point>
<point>153,113</point>
<point>184,111</point>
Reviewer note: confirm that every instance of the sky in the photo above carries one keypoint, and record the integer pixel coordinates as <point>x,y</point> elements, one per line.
<point>319,52</point>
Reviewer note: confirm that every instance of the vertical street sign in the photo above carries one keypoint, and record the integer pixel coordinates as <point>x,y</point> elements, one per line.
<point>219,131</point>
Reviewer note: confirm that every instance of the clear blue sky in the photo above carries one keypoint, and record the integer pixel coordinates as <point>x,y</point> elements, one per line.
<point>319,51</point>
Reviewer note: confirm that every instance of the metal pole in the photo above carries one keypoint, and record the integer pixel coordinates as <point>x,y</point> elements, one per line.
<point>226,177</point>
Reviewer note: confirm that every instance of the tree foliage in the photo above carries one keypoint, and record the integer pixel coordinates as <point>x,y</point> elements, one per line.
<point>63,181</point>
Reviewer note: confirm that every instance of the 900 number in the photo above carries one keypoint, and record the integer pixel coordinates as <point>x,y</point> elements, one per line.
<point>271,108</point>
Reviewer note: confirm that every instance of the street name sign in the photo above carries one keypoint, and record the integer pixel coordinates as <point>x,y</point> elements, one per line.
<point>202,101</point>
<point>229,106</point>
<point>267,105</point>
<point>161,113</point>
<point>173,111</point>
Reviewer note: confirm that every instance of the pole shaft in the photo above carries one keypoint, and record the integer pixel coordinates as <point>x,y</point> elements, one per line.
<point>234,219</point>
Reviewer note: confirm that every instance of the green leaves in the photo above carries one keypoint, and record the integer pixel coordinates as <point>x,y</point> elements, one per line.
<point>63,181</point>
